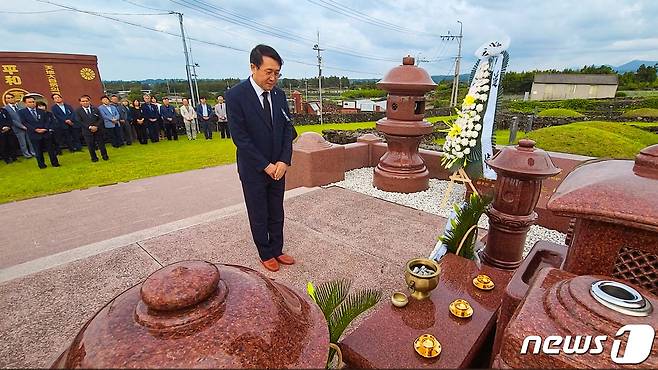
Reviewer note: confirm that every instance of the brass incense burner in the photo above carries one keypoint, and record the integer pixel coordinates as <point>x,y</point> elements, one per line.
<point>422,276</point>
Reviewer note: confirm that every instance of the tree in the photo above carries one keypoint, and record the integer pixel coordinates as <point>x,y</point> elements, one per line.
<point>646,74</point>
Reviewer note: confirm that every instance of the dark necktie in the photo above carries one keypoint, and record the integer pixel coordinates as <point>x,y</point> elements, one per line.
<point>267,109</point>
<point>88,112</point>
<point>34,113</point>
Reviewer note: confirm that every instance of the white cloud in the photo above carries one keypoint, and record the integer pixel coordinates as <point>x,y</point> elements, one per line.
<point>555,34</point>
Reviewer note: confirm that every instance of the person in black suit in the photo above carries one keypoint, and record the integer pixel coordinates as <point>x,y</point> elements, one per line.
<point>257,113</point>
<point>39,131</point>
<point>151,118</point>
<point>138,122</point>
<point>92,127</point>
<point>8,143</point>
<point>67,130</point>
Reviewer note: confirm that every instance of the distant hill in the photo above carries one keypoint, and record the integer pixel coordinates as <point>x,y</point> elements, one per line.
<point>462,77</point>
<point>633,65</point>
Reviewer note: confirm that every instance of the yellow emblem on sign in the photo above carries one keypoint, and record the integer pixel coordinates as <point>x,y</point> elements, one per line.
<point>87,73</point>
<point>17,92</point>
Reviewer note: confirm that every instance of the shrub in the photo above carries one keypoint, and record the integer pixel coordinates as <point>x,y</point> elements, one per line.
<point>620,94</point>
<point>559,112</point>
<point>363,93</point>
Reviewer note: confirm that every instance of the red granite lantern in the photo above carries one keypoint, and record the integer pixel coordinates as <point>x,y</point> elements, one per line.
<point>401,169</point>
<point>615,207</point>
<point>520,171</point>
<point>194,314</point>
<point>577,322</point>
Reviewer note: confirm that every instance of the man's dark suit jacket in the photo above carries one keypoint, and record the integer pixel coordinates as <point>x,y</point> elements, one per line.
<point>61,116</point>
<point>258,143</point>
<point>86,120</point>
<point>42,121</point>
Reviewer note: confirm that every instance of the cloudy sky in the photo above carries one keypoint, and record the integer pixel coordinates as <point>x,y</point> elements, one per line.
<point>362,39</point>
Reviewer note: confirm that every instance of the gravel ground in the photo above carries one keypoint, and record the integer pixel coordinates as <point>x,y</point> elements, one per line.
<point>360,180</point>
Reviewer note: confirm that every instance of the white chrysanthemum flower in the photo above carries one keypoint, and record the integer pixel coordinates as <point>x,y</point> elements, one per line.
<point>464,142</point>
<point>470,126</point>
<point>484,97</point>
<point>467,151</point>
<point>477,118</point>
<point>473,142</point>
<point>485,88</point>
<point>460,155</point>
<point>475,134</point>
<point>478,126</point>
<point>479,108</point>
<point>458,148</point>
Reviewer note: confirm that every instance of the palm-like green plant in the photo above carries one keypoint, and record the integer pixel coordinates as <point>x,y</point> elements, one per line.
<point>339,307</point>
<point>464,226</point>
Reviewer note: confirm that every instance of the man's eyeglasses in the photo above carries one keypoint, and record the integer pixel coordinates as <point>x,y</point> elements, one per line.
<point>274,74</point>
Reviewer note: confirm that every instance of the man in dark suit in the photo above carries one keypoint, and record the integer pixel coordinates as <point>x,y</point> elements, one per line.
<point>92,127</point>
<point>204,113</point>
<point>39,131</point>
<point>67,129</point>
<point>8,143</point>
<point>257,112</point>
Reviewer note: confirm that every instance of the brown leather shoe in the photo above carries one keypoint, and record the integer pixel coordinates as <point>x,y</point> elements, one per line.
<point>271,264</point>
<point>285,259</point>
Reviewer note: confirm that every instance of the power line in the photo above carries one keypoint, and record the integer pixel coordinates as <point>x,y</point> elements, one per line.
<point>227,15</point>
<point>34,12</point>
<point>144,6</point>
<point>356,14</point>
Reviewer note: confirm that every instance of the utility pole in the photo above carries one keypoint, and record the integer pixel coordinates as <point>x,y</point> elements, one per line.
<point>306,90</point>
<point>455,81</point>
<point>316,47</point>
<point>187,57</point>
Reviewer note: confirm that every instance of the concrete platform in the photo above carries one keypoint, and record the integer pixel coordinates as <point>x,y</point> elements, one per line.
<point>331,232</point>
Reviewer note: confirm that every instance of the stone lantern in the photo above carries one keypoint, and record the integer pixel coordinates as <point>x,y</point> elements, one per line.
<point>194,314</point>
<point>520,171</point>
<point>401,169</point>
<point>615,207</point>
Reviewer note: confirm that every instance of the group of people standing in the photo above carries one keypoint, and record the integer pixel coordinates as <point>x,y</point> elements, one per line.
<point>37,130</point>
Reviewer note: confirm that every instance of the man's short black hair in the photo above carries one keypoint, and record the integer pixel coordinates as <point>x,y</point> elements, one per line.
<point>27,97</point>
<point>105,97</point>
<point>203,97</point>
<point>114,96</point>
<point>85,96</point>
<point>260,51</point>
<point>10,94</point>
<point>41,104</point>
<point>55,94</point>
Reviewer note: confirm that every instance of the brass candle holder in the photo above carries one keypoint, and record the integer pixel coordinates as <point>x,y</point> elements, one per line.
<point>422,276</point>
<point>427,346</point>
<point>483,282</point>
<point>461,308</point>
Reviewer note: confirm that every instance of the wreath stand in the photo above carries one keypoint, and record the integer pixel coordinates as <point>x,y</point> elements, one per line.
<point>461,177</point>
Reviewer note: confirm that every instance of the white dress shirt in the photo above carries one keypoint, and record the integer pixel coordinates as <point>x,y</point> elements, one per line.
<point>259,92</point>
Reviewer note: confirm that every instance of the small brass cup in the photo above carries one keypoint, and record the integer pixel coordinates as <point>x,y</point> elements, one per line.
<point>422,285</point>
<point>461,308</point>
<point>399,299</point>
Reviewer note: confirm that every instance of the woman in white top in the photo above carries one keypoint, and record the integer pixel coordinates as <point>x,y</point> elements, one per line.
<point>189,115</point>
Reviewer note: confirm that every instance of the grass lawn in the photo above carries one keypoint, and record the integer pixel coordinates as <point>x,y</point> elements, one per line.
<point>592,138</point>
<point>642,112</point>
<point>559,112</point>
<point>24,179</point>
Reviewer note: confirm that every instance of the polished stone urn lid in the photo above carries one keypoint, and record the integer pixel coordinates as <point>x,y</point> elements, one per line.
<point>523,161</point>
<point>407,79</point>
<point>195,314</point>
<point>616,191</point>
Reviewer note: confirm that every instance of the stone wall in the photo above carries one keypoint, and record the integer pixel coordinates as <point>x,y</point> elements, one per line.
<point>504,119</point>
<point>310,119</point>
